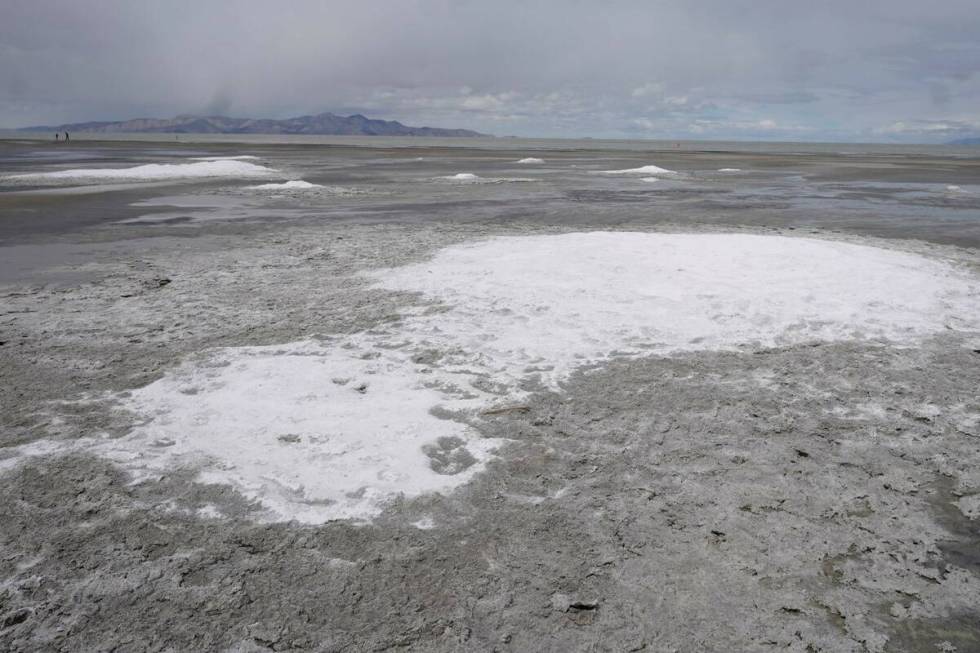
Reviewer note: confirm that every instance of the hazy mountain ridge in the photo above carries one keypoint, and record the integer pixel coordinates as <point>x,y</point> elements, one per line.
<point>322,124</point>
<point>972,140</point>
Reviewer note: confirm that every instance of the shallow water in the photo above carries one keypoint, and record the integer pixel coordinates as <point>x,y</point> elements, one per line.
<point>924,192</point>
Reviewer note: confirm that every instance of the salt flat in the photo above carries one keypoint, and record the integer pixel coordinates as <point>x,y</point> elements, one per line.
<point>474,394</point>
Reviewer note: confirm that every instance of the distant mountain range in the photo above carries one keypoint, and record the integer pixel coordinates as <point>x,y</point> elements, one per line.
<point>323,124</point>
<point>973,140</point>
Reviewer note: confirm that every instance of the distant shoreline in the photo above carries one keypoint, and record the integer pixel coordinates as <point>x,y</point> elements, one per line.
<point>505,143</point>
<point>322,124</point>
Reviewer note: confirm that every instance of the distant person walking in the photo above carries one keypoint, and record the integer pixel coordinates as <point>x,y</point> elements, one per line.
<point>66,137</point>
<point>57,135</point>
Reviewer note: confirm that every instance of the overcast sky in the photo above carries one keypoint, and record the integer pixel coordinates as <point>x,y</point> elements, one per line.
<point>868,70</point>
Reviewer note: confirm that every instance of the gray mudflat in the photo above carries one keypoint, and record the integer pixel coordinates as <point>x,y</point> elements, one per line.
<point>812,498</point>
<point>798,499</point>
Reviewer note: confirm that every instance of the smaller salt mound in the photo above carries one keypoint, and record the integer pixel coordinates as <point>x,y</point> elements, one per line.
<point>296,184</point>
<point>649,179</point>
<point>644,170</point>
<point>241,157</point>
<point>729,170</point>
<point>462,176</point>
<point>160,171</point>
<point>531,160</point>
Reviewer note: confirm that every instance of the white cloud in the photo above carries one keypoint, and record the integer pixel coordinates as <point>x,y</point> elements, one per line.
<point>929,130</point>
<point>649,89</point>
<point>846,70</point>
<point>930,126</point>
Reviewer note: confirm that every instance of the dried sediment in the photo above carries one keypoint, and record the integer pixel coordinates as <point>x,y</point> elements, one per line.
<point>812,498</point>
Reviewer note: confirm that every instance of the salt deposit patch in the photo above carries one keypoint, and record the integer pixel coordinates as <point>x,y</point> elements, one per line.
<point>159,171</point>
<point>296,184</point>
<point>564,300</point>
<point>462,176</point>
<point>320,431</point>
<point>970,506</point>
<point>531,160</point>
<point>643,170</point>
<point>312,432</point>
<point>729,170</point>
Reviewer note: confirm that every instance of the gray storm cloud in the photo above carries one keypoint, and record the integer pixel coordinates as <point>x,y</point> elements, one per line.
<point>876,70</point>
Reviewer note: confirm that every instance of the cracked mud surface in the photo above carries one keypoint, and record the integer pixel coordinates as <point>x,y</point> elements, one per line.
<point>809,498</point>
<point>813,498</point>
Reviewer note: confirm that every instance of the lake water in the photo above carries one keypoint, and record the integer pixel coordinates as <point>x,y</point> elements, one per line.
<point>923,192</point>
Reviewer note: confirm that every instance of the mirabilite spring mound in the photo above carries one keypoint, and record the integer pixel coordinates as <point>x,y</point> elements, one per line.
<point>202,167</point>
<point>322,430</point>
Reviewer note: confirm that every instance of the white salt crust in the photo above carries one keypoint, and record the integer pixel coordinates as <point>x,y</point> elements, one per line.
<point>643,170</point>
<point>160,171</point>
<point>296,184</point>
<point>319,431</point>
